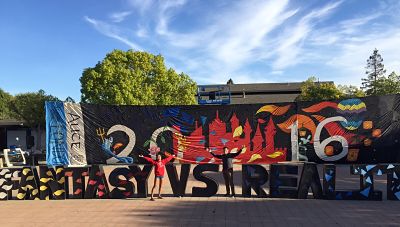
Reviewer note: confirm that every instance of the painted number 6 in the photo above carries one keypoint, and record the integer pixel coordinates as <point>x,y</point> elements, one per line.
<point>319,147</point>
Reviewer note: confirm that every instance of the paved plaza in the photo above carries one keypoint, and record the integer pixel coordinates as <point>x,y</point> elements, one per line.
<point>213,211</point>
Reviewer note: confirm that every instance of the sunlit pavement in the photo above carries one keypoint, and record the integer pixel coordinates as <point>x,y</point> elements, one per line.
<point>213,211</point>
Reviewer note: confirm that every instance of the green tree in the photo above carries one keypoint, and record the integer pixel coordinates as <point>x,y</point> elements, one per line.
<point>312,90</point>
<point>388,85</point>
<point>375,70</point>
<point>29,107</point>
<point>350,91</point>
<point>135,78</point>
<point>5,111</point>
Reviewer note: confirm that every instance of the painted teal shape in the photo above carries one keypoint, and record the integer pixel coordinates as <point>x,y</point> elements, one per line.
<point>368,180</point>
<point>339,196</point>
<point>397,194</point>
<point>328,177</point>
<point>203,120</point>
<point>395,175</point>
<point>199,158</point>
<point>369,167</point>
<point>390,166</point>
<point>365,192</point>
<point>379,173</point>
<point>363,172</point>
<point>213,132</point>
<point>224,141</point>
<point>350,124</point>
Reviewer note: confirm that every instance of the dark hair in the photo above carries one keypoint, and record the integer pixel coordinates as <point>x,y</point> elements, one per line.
<point>225,148</point>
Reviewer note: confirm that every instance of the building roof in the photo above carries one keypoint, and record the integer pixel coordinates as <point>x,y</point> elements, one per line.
<point>260,92</point>
<point>11,122</point>
<point>265,87</point>
<point>292,86</point>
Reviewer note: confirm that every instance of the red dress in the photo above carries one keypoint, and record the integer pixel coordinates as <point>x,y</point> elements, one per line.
<point>159,165</point>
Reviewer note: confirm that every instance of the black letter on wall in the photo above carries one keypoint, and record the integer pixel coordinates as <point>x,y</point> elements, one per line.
<point>141,176</point>
<point>309,177</point>
<point>127,185</point>
<point>277,181</point>
<point>178,184</point>
<point>253,177</point>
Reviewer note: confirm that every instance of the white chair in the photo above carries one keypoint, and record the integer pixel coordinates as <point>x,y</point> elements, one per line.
<point>14,157</point>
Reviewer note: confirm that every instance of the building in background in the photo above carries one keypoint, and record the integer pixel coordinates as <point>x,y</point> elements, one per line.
<point>13,133</point>
<point>231,93</point>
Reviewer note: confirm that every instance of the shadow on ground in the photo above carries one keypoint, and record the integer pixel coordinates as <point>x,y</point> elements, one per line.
<point>262,212</point>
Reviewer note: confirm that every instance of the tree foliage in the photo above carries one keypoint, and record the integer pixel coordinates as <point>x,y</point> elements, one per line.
<point>29,107</point>
<point>312,90</point>
<point>350,91</point>
<point>375,71</point>
<point>388,85</point>
<point>135,78</point>
<point>5,111</point>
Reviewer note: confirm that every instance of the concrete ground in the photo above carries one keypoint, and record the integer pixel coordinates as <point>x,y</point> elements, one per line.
<point>213,211</point>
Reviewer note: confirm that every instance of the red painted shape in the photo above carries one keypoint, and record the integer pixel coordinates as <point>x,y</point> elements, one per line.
<point>78,191</point>
<point>126,193</point>
<point>320,106</point>
<point>262,143</point>
<point>122,182</point>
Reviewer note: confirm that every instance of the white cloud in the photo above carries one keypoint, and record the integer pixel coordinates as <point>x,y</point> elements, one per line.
<point>353,57</point>
<point>290,47</point>
<point>232,38</point>
<point>111,31</point>
<point>166,11</point>
<point>119,16</point>
<point>141,5</point>
<point>273,36</point>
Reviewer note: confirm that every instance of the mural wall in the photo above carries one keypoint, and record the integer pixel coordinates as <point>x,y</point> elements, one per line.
<point>131,181</point>
<point>354,131</point>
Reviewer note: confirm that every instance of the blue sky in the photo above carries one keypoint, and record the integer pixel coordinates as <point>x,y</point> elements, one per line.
<point>47,44</point>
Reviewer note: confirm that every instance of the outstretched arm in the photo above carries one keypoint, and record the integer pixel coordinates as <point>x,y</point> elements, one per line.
<point>215,155</point>
<point>232,155</point>
<point>166,160</point>
<point>148,159</point>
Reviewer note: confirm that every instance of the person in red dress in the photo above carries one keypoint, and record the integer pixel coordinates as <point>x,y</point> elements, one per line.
<point>159,169</point>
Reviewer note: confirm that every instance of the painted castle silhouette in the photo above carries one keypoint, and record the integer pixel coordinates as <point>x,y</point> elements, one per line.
<point>260,147</point>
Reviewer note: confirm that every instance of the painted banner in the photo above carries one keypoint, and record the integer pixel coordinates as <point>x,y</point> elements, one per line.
<point>357,131</point>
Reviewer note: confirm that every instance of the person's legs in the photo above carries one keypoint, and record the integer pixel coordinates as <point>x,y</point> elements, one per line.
<point>152,189</point>
<point>230,173</point>
<point>226,178</point>
<point>159,188</point>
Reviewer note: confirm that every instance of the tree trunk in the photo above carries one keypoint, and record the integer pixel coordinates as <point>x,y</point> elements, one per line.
<point>39,138</point>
